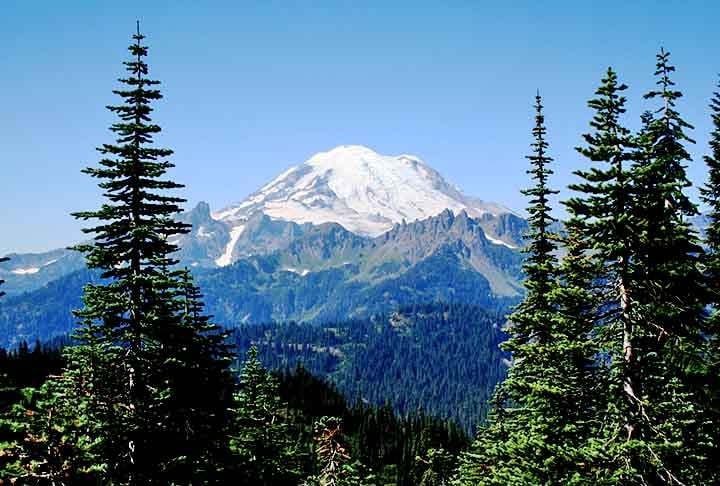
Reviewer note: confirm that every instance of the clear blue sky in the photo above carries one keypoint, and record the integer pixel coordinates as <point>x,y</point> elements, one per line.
<point>254,87</point>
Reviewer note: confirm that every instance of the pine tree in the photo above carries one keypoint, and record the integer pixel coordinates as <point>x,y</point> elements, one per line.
<point>196,406</point>
<point>131,247</point>
<point>436,467</point>
<point>152,371</point>
<point>602,226</point>
<point>536,434</point>
<point>661,442</point>
<point>530,321</point>
<point>261,439</point>
<point>711,197</point>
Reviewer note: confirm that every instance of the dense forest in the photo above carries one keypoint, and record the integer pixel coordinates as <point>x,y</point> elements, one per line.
<point>613,352</point>
<point>398,449</point>
<point>442,358</point>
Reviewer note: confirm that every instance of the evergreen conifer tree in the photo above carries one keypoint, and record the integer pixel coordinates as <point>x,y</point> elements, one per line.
<point>54,436</point>
<point>153,373</point>
<point>131,248</point>
<point>335,464</point>
<point>655,437</point>
<point>196,407</point>
<point>536,430</point>
<point>436,467</point>
<point>266,451</point>
<point>711,197</point>
<point>602,226</point>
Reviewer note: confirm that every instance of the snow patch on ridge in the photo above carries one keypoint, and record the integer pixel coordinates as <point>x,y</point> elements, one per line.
<point>495,241</point>
<point>302,272</point>
<point>226,258</point>
<point>32,270</point>
<point>279,179</point>
<point>25,271</point>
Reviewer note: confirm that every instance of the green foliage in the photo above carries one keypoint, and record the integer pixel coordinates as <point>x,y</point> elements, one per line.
<point>435,468</point>
<point>613,355</point>
<point>53,435</point>
<point>711,197</point>
<point>542,412</point>
<point>656,427</point>
<point>386,443</point>
<point>614,348</point>
<point>414,358</point>
<point>133,310</point>
<point>145,398</point>
<point>601,230</point>
<point>394,448</point>
<point>22,368</point>
<point>264,448</point>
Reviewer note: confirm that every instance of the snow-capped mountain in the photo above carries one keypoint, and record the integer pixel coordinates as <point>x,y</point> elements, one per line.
<point>366,193</point>
<point>363,191</point>
<point>24,272</point>
<point>347,234</point>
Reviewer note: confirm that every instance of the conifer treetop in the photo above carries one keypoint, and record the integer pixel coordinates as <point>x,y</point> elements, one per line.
<point>711,191</point>
<point>541,261</point>
<point>136,221</point>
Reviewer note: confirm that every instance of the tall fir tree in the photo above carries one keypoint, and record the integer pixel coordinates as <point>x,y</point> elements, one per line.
<point>536,430</point>
<point>131,248</point>
<point>152,371</point>
<point>196,407</point>
<point>602,225</point>
<point>710,194</point>
<point>662,442</point>
<point>711,197</point>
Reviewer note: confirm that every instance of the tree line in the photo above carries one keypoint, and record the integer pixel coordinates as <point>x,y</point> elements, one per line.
<point>615,346</point>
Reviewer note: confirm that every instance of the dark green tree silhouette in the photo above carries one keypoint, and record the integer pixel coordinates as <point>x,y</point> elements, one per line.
<point>602,229</point>
<point>265,448</point>
<point>536,433</point>
<point>710,194</point>
<point>655,435</point>
<point>151,371</point>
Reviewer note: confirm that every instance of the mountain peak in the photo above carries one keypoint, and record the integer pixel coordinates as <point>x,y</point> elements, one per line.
<point>345,151</point>
<point>355,186</point>
<point>360,157</point>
